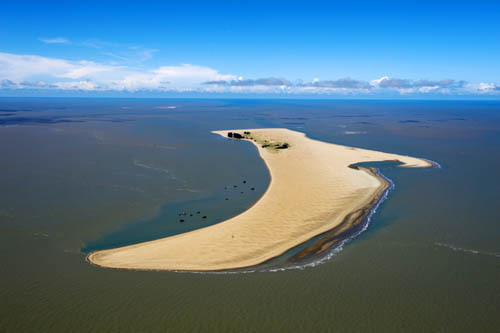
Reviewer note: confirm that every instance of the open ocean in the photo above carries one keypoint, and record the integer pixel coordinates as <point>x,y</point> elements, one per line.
<point>83,174</point>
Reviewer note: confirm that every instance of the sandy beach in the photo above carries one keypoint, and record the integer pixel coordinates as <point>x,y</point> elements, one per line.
<point>312,191</point>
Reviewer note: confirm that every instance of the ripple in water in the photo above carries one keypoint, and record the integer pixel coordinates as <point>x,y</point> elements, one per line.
<point>470,251</point>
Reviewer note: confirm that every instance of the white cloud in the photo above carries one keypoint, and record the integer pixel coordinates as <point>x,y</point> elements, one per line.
<point>485,87</point>
<point>77,85</point>
<point>88,75</point>
<point>23,67</point>
<point>427,89</point>
<point>87,69</point>
<point>56,40</point>
<point>190,74</point>
<point>20,67</point>
<point>406,86</point>
<point>36,72</point>
<point>180,78</point>
<point>376,82</point>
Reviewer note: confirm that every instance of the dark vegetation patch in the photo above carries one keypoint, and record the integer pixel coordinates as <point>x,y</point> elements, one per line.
<point>264,143</point>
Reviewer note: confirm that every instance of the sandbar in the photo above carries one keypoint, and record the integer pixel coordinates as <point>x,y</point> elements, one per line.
<point>313,190</point>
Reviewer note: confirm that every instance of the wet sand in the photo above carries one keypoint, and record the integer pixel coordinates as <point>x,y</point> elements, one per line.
<point>312,191</point>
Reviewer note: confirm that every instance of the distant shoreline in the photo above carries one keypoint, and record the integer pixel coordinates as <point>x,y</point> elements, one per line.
<point>314,190</point>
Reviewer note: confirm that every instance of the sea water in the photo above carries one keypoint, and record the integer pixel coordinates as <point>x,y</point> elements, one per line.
<point>85,174</point>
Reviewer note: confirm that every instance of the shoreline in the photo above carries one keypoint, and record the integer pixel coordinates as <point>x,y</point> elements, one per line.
<point>301,263</point>
<point>350,226</point>
<point>313,190</point>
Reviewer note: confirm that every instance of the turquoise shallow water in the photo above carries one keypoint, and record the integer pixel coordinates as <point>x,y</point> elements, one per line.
<point>81,174</point>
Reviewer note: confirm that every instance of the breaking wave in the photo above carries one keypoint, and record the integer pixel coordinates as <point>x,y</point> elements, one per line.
<point>436,164</point>
<point>337,249</point>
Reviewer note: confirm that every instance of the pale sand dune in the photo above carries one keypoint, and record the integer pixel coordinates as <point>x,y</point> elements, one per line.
<point>312,189</point>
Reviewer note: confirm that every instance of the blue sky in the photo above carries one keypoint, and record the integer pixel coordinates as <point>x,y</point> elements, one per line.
<point>417,49</point>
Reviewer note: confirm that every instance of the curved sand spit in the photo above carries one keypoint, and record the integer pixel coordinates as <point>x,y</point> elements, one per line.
<point>312,190</point>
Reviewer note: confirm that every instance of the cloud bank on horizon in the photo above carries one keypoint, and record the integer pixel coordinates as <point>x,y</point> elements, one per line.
<point>26,72</point>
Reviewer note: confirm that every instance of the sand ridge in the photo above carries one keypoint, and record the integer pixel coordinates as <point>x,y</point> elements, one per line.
<point>312,190</point>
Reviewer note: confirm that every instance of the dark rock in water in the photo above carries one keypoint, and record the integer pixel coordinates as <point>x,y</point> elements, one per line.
<point>253,188</point>
<point>227,198</point>
<point>241,192</point>
<point>204,217</point>
<point>181,220</point>
<point>198,212</point>
<point>230,134</point>
<point>225,187</point>
<point>244,182</point>
<point>235,186</point>
<point>190,214</point>
<point>237,136</point>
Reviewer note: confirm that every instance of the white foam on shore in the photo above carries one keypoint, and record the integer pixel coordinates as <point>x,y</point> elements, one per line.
<point>337,249</point>
<point>436,164</point>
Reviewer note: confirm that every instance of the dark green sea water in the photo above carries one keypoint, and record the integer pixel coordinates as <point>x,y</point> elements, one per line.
<point>84,174</point>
